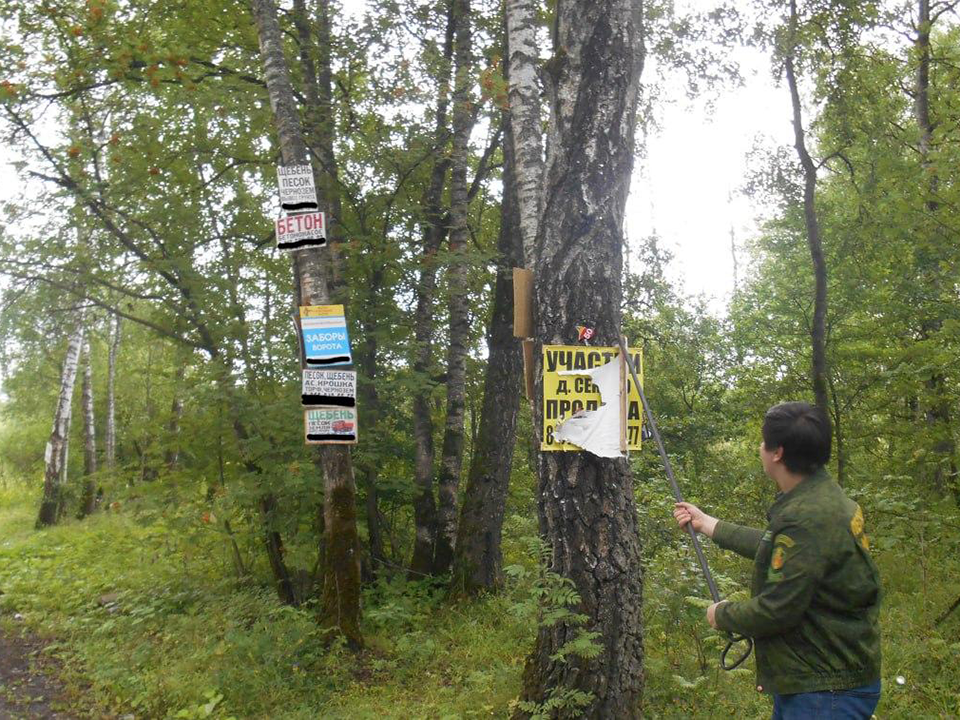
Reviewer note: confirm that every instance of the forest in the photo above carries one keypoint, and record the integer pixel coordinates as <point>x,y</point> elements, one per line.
<point>279,281</point>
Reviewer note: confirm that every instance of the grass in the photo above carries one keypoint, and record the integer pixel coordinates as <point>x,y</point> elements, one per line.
<point>180,636</point>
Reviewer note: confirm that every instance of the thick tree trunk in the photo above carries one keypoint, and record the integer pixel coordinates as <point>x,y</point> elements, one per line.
<point>937,415</point>
<point>586,504</point>
<point>88,498</point>
<point>110,434</point>
<point>478,563</point>
<point>451,457</point>
<point>818,333</point>
<point>340,607</point>
<point>424,504</point>
<point>55,456</point>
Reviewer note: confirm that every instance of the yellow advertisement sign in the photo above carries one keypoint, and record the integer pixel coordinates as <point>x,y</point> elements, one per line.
<point>307,311</point>
<point>563,395</point>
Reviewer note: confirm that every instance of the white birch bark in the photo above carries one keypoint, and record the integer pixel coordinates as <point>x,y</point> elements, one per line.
<point>110,434</point>
<point>586,504</point>
<point>55,455</point>
<point>88,497</point>
<point>521,17</point>
<point>89,427</point>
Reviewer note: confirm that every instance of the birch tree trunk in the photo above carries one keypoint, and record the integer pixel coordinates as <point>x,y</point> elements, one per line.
<point>818,333</point>
<point>110,434</point>
<point>586,504</point>
<point>522,61</point>
<point>451,458</point>
<point>478,560</point>
<point>55,455</point>
<point>424,505</point>
<point>340,607</point>
<point>89,495</point>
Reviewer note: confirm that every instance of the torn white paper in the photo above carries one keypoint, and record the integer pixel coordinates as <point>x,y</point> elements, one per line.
<point>597,431</point>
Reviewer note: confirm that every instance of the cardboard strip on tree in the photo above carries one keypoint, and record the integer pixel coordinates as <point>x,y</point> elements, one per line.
<point>566,393</point>
<point>528,380</point>
<point>522,303</point>
<point>297,189</point>
<point>330,426</point>
<point>325,338</point>
<point>329,387</point>
<point>301,230</point>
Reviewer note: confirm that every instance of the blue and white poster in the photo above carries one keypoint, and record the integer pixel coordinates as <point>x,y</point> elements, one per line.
<point>325,339</point>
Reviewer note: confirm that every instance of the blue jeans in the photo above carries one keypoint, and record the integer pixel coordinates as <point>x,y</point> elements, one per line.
<point>853,704</point>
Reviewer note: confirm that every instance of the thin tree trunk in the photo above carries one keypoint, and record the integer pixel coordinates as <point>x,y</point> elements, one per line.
<point>424,504</point>
<point>110,434</point>
<point>451,457</point>
<point>340,606</point>
<point>522,61</point>
<point>172,453</point>
<point>55,455</point>
<point>818,333</point>
<point>88,498</point>
<point>838,428</point>
<point>586,504</point>
<point>937,415</point>
<point>478,563</point>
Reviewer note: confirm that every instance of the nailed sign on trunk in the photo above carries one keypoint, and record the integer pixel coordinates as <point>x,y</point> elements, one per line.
<point>301,230</point>
<point>329,387</point>
<point>325,339</point>
<point>297,190</point>
<point>330,426</point>
<point>564,395</point>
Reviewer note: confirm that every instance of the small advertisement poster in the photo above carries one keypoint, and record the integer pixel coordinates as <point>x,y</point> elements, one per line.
<point>572,387</point>
<point>329,387</point>
<point>302,230</point>
<point>325,339</point>
<point>297,191</point>
<point>330,426</point>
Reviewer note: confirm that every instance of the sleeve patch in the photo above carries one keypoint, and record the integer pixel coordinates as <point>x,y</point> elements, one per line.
<point>784,540</point>
<point>856,528</point>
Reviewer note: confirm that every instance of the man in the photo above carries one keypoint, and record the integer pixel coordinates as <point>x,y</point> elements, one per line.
<point>816,591</point>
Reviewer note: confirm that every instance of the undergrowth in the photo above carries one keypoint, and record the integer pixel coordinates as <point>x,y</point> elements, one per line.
<point>154,621</point>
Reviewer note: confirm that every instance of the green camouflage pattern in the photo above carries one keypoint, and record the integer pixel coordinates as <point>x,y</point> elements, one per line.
<point>816,593</point>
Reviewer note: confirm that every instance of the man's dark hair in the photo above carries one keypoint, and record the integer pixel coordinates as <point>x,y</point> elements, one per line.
<point>803,431</point>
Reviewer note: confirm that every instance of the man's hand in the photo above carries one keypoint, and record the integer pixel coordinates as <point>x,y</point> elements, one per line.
<point>685,513</point>
<point>712,614</point>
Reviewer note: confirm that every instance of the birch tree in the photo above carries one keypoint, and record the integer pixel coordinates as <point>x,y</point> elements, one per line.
<point>110,432</point>
<point>89,496</point>
<point>586,504</point>
<point>55,455</point>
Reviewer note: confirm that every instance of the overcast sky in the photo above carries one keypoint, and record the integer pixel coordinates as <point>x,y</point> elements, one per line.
<point>694,164</point>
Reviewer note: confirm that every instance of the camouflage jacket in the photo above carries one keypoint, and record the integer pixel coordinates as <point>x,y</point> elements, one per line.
<point>816,592</point>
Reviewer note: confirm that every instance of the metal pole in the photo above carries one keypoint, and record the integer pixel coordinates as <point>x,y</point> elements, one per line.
<point>668,468</point>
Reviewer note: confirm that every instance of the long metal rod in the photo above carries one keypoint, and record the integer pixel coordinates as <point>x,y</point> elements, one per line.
<point>668,468</point>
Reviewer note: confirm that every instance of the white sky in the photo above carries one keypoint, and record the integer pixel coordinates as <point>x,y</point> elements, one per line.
<point>694,164</point>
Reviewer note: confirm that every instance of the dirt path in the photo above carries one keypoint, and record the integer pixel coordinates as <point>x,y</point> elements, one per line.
<point>28,688</point>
